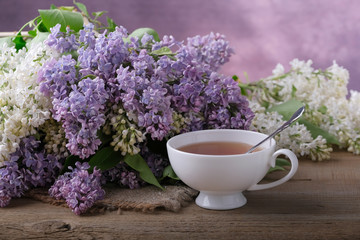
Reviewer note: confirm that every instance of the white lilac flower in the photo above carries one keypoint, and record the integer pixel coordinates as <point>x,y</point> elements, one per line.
<point>22,107</point>
<point>296,137</point>
<point>54,139</point>
<point>325,94</point>
<point>181,123</point>
<point>126,136</point>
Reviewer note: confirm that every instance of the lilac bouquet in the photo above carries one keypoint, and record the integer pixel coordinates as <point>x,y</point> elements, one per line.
<point>111,101</point>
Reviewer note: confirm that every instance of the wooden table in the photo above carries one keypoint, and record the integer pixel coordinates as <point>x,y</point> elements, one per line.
<point>322,201</point>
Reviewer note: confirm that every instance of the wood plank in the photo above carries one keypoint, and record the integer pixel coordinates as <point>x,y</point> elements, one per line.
<point>322,201</point>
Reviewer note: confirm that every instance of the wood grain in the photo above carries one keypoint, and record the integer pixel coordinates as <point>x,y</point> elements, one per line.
<point>322,201</point>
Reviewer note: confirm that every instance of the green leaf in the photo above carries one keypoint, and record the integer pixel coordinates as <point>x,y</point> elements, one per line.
<point>41,27</point>
<point>98,14</point>
<point>32,33</point>
<point>138,163</point>
<point>276,168</point>
<point>66,18</point>
<point>288,108</point>
<point>265,104</point>
<point>279,165</point>
<point>169,172</point>
<point>104,138</point>
<point>316,131</point>
<point>139,33</point>
<point>82,8</point>
<point>40,37</point>
<point>67,8</point>
<point>244,89</point>
<point>293,91</point>
<point>111,24</point>
<point>282,162</point>
<point>322,109</point>
<point>105,158</point>
<point>162,51</point>
<point>19,42</point>
<point>91,76</point>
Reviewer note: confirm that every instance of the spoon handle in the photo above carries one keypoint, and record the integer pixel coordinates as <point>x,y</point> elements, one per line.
<point>293,118</point>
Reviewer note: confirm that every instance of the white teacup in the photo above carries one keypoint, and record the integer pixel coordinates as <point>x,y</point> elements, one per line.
<point>221,179</point>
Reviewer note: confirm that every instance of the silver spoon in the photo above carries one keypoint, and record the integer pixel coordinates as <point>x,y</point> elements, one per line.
<point>293,118</point>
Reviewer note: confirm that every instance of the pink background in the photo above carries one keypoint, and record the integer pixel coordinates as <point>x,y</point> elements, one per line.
<point>262,32</point>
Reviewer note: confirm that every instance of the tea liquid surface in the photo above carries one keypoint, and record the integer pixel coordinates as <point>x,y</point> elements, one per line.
<point>217,148</point>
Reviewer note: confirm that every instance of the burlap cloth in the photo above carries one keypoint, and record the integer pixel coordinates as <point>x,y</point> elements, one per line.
<point>145,199</point>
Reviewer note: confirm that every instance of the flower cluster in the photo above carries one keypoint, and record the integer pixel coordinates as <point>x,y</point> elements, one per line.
<point>141,91</point>
<point>297,137</point>
<point>29,166</point>
<point>77,103</point>
<point>11,183</point>
<point>79,188</point>
<point>54,138</point>
<point>324,92</point>
<point>88,92</point>
<point>121,174</point>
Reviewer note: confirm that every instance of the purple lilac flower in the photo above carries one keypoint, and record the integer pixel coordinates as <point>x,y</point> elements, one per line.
<point>167,41</point>
<point>209,99</point>
<point>188,95</point>
<point>123,175</point>
<point>12,182</point>
<point>147,39</point>
<point>188,90</point>
<point>142,63</point>
<point>87,36</point>
<point>130,179</point>
<point>79,188</point>
<point>227,108</point>
<point>211,50</point>
<point>55,79</point>
<point>148,99</point>
<point>155,161</point>
<point>39,168</point>
<point>83,115</point>
<point>79,105</point>
<point>197,122</point>
<point>28,167</point>
<point>157,117</point>
<point>62,42</point>
<point>101,56</point>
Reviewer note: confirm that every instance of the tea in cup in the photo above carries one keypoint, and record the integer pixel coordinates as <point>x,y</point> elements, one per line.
<point>215,163</point>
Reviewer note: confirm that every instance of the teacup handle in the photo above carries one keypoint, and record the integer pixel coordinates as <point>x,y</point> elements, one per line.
<point>294,167</point>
